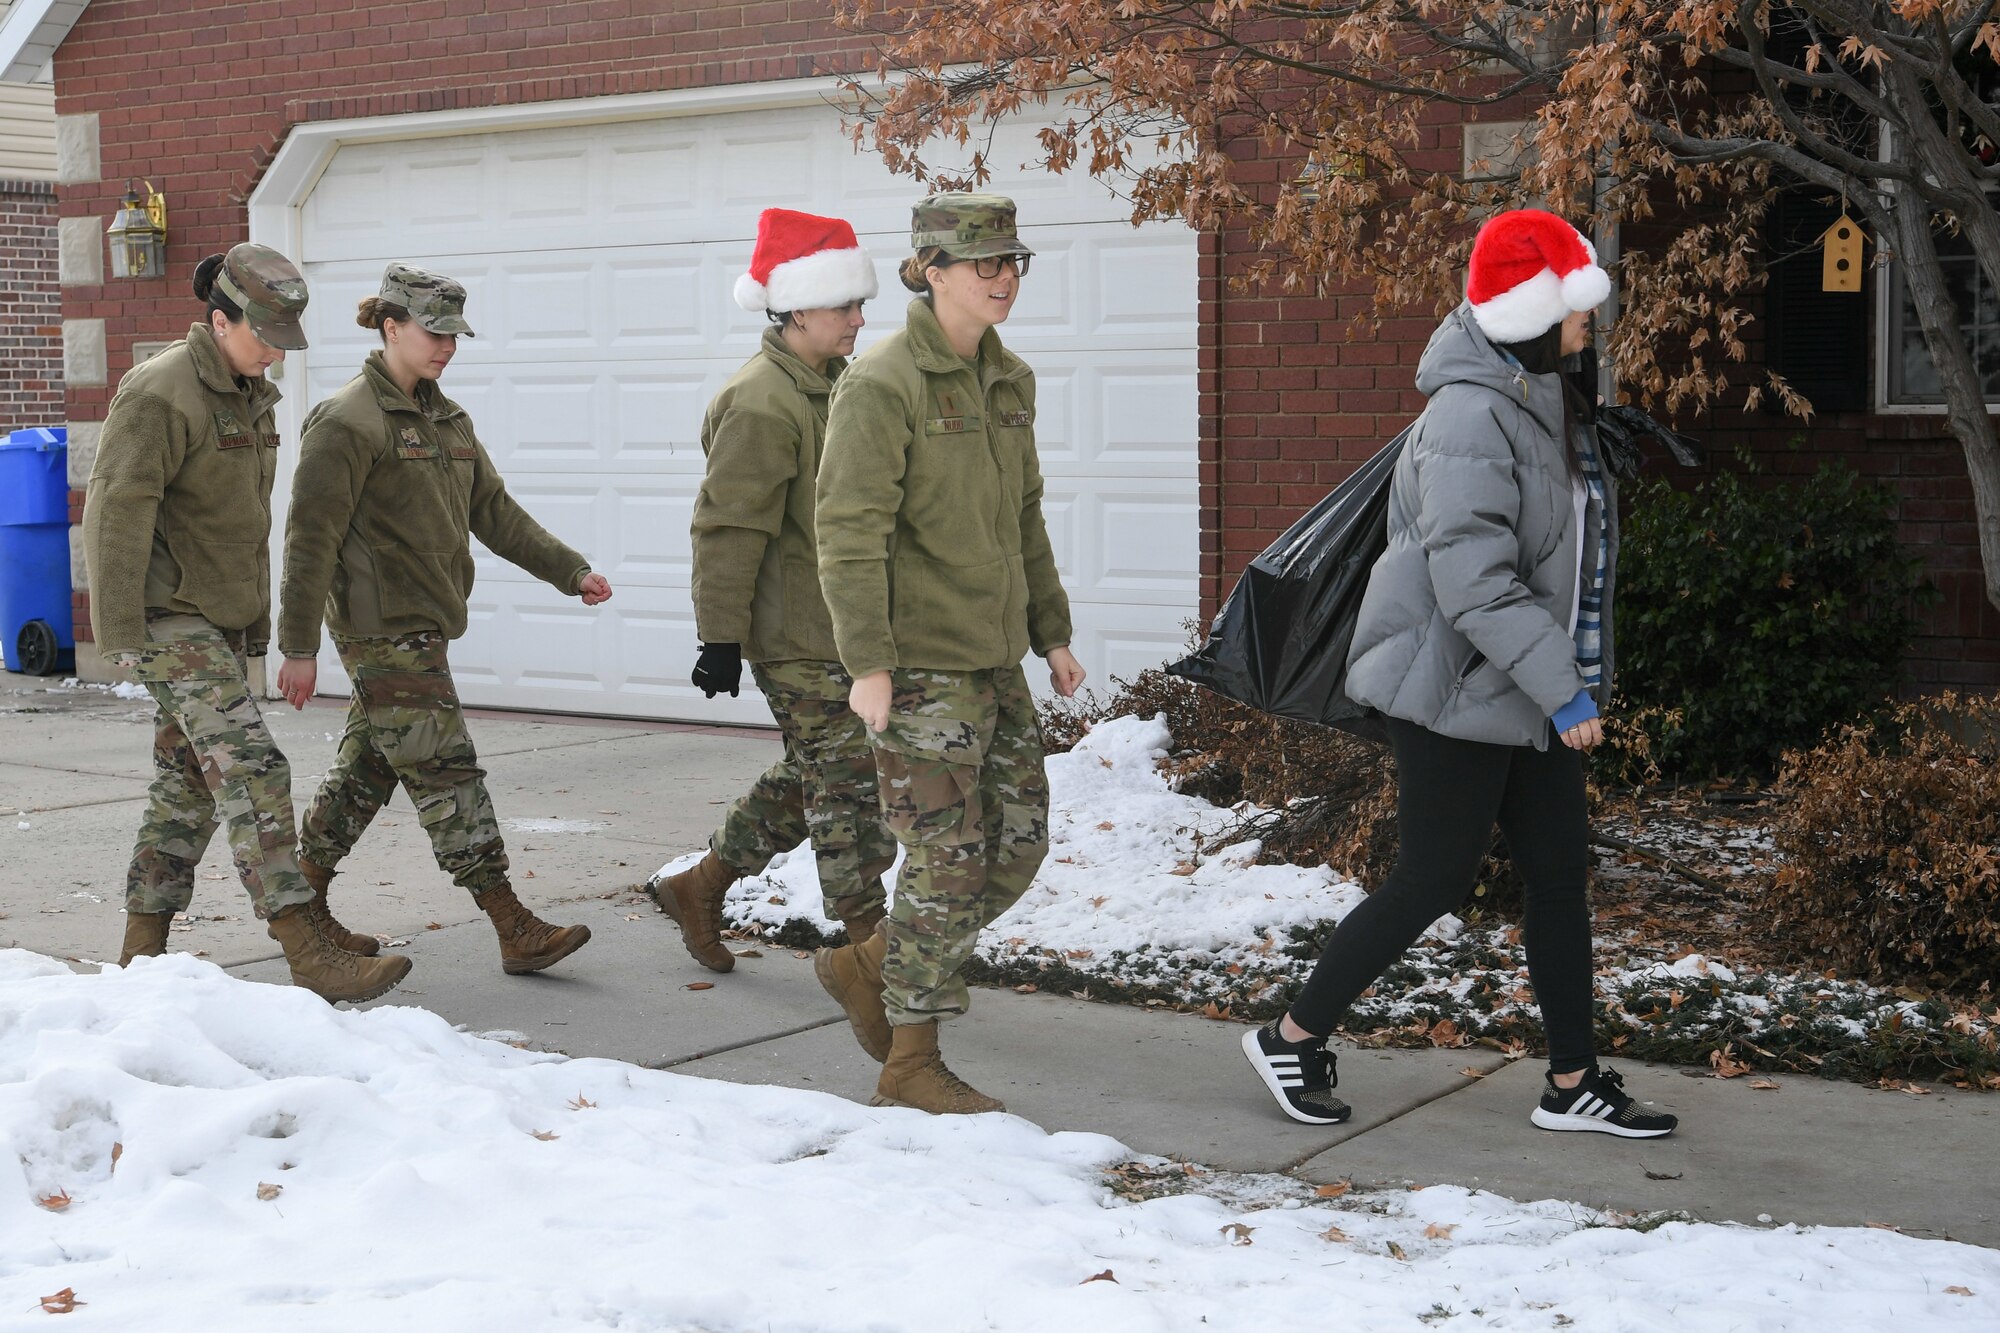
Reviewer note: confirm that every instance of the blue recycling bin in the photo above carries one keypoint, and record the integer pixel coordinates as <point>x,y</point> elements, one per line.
<point>36,632</point>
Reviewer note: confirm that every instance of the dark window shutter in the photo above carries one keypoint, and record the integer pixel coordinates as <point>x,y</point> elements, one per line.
<point>1818,340</point>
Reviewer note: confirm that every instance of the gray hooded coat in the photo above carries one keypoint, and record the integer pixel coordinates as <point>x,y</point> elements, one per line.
<point>1465,627</point>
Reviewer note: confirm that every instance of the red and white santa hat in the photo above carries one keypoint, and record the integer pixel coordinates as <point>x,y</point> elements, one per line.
<point>803,262</point>
<point>1531,270</point>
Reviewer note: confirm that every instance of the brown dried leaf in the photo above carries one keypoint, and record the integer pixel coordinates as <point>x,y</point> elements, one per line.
<point>1470,1072</point>
<point>1958,1291</point>
<point>1076,953</point>
<point>117,1151</point>
<point>1107,825</point>
<point>1396,1251</point>
<point>1334,1234</point>
<point>699,985</point>
<point>1335,1190</point>
<point>545,1135</point>
<point>267,1191</point>
<point>1439,1231</point>
<point>1238,1233</point>
<point>749,953</point>
<point>433,925</point>
<point>1026,988</point>
<point>56,1202</point>
<point>63,1302</point>
<point>1105,1276</point>
<point>1725,1064</point>
<point>581,1103</point>
<point>1762,1085</point>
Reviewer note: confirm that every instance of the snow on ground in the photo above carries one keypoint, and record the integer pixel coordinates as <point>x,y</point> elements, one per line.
<point>1124,892</point>
<point>222,1155</point>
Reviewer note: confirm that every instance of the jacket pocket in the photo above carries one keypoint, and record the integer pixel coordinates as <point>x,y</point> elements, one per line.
<point>807,621</point>
<point>220,578</point>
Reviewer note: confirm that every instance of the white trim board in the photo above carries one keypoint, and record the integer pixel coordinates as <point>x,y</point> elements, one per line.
<point>30,32</point>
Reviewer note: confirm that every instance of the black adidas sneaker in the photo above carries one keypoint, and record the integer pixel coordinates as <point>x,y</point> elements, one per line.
<point>1600,1105</point>
<point>1299,1074</point>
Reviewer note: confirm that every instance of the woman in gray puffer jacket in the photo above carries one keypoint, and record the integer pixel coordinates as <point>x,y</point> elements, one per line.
<point>1485,641</point>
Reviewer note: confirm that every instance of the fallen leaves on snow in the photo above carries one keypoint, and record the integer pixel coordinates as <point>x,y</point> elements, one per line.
<point>1440,1230</point>
<point>1238,1233</point>
<point>1334,1234</point>
<point>56,1202</point>
<point>267,1191</point>
<point>1335,1190</point>
<point>581,1103</point>
<point>1105,1276</point>
<point>63,1302</point>
<point>545,1135</point>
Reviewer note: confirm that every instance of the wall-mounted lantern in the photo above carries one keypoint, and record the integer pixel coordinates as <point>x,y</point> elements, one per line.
<point>1318,168</point>
<point>138,234</point>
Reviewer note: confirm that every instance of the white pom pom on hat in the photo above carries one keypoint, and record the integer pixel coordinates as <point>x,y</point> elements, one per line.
<point>804,262</point>
<point>1530,270</point>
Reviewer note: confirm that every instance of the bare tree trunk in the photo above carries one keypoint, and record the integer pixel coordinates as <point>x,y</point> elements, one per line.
<point>1964,395</point>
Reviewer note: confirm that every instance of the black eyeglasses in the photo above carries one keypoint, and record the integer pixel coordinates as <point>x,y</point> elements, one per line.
<point>998,264</point>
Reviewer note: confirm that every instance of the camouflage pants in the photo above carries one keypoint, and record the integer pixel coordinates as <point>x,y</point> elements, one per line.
<point>405,725</point>
<point>823,788</point>
<point>964,791</point>
<point>213,760</point>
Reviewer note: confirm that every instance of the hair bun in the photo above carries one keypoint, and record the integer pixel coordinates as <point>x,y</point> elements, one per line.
<point>204,276</point>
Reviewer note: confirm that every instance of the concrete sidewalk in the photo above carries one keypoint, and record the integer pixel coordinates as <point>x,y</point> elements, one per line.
<point>620,799</point>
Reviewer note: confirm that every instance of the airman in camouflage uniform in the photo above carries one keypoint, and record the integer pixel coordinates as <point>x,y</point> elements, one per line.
<point>392,484</point>
<point>937,568</point>
<point>176,524</point>
<point>757,597</point>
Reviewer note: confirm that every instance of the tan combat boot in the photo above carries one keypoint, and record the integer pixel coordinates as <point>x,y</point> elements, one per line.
<point>852,975</point>
<point>145,935</point>
<point>351,940</point>
<point>331,973</point>
<point>693,899</point>
<point>527,943</point>
<point>915,1075</point>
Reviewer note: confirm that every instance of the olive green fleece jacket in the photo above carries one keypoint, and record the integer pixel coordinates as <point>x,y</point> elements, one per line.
<point>756,574</point>
<point>178,511</point>
<point>932,548</point>
<point>387,492</point>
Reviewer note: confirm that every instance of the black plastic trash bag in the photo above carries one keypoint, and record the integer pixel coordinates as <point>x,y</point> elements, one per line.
<point>1280,641</point>
<point>1619,430</point>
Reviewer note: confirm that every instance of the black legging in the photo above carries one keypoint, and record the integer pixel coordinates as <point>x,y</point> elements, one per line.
<point>1450,793</point>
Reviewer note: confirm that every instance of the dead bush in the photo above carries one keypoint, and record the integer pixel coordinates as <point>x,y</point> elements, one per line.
<point>1892,845</point>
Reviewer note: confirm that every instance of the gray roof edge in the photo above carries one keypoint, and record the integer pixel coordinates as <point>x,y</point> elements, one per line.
<point>30,32</point>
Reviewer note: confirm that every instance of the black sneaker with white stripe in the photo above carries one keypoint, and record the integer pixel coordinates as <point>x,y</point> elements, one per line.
<point>1299,1074</point>
<point>1600,1105</point>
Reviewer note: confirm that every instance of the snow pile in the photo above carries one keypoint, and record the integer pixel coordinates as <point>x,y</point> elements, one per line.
<point>187,1151</point>
<point>1124,894</point>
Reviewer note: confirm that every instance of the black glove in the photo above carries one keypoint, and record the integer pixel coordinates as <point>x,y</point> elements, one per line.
<point>719,668</point>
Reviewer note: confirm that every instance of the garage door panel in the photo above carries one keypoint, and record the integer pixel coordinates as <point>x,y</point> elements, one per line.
<point>1124,540</point>
<point>550,184</point>
<point>600,261</point>
<point>656,300</point>
<point>1122,641</point>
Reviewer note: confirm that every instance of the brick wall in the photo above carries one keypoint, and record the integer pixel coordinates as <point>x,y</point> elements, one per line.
<point>31,370</point>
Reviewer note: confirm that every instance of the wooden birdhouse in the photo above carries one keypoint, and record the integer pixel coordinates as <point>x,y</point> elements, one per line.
<point>1840,269</point>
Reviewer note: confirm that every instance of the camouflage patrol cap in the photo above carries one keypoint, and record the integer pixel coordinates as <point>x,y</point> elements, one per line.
<point>435,302</point>
<point>966,226</point>
<point>269,291</point>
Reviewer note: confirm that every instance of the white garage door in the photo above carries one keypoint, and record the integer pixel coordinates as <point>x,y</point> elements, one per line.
<point>599,262</point>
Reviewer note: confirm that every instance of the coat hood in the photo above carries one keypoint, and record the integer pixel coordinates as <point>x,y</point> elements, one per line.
<point>1459,352</point>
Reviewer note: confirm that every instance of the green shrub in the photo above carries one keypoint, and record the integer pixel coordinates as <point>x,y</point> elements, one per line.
<point>1892,846</point>
<point>1750,619</point>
